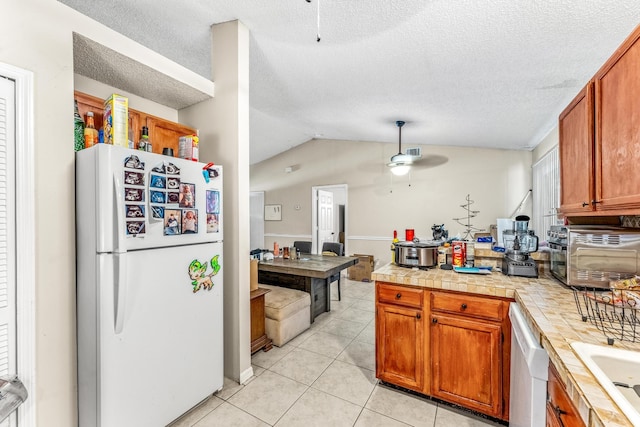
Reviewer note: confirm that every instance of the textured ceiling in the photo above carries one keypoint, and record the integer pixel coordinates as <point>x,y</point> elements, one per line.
<point>481,73</point>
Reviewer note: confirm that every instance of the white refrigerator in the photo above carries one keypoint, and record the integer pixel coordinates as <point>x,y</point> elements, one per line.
<point>149,286</point>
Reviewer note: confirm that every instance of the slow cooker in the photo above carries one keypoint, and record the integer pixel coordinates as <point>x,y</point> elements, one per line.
<point>416,254</point>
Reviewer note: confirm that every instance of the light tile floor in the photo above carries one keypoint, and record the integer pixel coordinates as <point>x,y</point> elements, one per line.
<point>325,377</point>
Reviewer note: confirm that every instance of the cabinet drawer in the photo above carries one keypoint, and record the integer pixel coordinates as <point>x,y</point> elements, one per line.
<point>468,305</point>
<point>400,295</point>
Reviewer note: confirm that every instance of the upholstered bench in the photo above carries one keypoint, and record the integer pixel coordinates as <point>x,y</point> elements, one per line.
<point>287,313</point>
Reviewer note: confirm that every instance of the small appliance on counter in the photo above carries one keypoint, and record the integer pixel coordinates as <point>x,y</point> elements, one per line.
<point>416,254</point>
<point>593,255</point>
<point>519,242</point>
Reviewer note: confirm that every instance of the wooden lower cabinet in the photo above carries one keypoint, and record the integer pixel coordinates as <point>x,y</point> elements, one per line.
<point>450,345</point>
<point>560,410</point>
<point>400,348</point>
<point>400,339</point>
<point>466,363</point>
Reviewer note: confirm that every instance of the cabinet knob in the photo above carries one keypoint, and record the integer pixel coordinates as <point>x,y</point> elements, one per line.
<point>398,295</point>
<point>463,306</point>
<point>585,204</point>
<point>434,320</point>
<point>593,202</point>
<point>418,316</point>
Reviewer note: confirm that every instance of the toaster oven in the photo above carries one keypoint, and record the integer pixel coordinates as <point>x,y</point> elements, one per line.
<point>592,256</point>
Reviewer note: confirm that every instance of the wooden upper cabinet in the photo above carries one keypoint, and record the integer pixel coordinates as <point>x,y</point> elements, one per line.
<point>166,134</point>
<point>88,103</point>
<point>577,174</point>
<point>600,140</point>
<point>617,106</point>
<point>162,133</point>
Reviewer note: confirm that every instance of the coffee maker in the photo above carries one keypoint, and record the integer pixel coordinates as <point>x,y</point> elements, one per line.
<point>519,242</point>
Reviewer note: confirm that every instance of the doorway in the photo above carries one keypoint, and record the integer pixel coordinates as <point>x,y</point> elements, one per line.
<point>329,215</point>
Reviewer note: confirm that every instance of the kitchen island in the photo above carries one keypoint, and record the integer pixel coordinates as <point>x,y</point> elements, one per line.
<point>552,315</point>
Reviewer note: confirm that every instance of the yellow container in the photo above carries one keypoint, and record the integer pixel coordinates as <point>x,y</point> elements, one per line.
<point>116,120</point>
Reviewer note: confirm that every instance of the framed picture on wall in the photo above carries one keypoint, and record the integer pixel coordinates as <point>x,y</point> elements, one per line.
<point>273,212</point>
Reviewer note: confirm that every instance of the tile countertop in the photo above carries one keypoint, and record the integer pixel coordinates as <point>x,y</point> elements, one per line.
<point>552,314</point>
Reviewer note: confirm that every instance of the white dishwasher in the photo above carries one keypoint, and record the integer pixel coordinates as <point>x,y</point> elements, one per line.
<point>529,368</point>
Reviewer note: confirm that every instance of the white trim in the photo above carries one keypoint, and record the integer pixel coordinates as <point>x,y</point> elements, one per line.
<point>246,375</point>
<point>25,244</point>
<point>376,238</point>
<point>288,236</point>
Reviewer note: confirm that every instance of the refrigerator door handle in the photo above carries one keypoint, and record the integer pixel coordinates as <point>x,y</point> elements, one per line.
<point>120,223</point>
<point>120,290</point>
<point>120,258</point>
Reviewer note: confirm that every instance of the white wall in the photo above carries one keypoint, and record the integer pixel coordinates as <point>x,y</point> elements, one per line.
<point>548,142</point>
<point>225,126</point>
<point>37,36</point>
<point>379,203</point>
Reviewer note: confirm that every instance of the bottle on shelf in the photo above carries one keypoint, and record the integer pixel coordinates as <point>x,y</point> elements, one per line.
<point>149,144</point>
<point>78,128</point>
<point>393,246</point>
<point>144,144</point>
<point>90,132</point>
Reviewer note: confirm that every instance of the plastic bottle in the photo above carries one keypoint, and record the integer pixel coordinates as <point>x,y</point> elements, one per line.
<point>78,128</point>
<point>144,139</point>
<point>393,246</point>
<point>149,143</point>
<point>90,132</point>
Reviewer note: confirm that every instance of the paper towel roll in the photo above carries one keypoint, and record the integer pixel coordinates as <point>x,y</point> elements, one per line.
<point>254,274</point>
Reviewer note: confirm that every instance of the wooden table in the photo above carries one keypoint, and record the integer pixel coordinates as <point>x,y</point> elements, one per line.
<point>259,339</point>
<point>310,273</point>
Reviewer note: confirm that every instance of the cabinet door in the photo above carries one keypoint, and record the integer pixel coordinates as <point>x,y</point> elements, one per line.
<point>618,129</point>
<point>400,346</point>
<point>577,174</point>
<point>560,409</point>
<point>166,134</point>
<point>466,363</point>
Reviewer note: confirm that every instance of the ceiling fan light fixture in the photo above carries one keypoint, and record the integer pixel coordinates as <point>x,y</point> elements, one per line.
<point>400,169</point>
<point>400,164</point>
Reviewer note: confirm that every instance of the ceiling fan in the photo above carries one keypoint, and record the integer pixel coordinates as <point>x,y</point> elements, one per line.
<point>400,164</point>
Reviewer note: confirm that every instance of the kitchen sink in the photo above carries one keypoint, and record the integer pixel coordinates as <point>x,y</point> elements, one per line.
<point>617,371</point>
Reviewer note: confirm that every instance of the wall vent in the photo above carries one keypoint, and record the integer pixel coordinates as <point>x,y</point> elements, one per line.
<point>414,152</point>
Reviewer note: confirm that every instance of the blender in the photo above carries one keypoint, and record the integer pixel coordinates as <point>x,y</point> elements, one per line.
<point>519,242</point>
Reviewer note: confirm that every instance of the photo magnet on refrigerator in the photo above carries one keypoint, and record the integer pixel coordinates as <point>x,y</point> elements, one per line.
<point>197,274</point>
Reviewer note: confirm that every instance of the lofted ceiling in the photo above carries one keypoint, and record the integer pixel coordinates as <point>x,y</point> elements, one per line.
<point>477,73</point>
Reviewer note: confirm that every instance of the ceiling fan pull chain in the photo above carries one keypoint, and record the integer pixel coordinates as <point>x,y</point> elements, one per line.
<point>318,33</point>
<point>318,21</point>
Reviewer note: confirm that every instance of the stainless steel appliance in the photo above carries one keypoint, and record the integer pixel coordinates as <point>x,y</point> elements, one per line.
<point>557,239</point>
<point>416,254</point>
<point>592,256</point>
<point>519,242</point>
